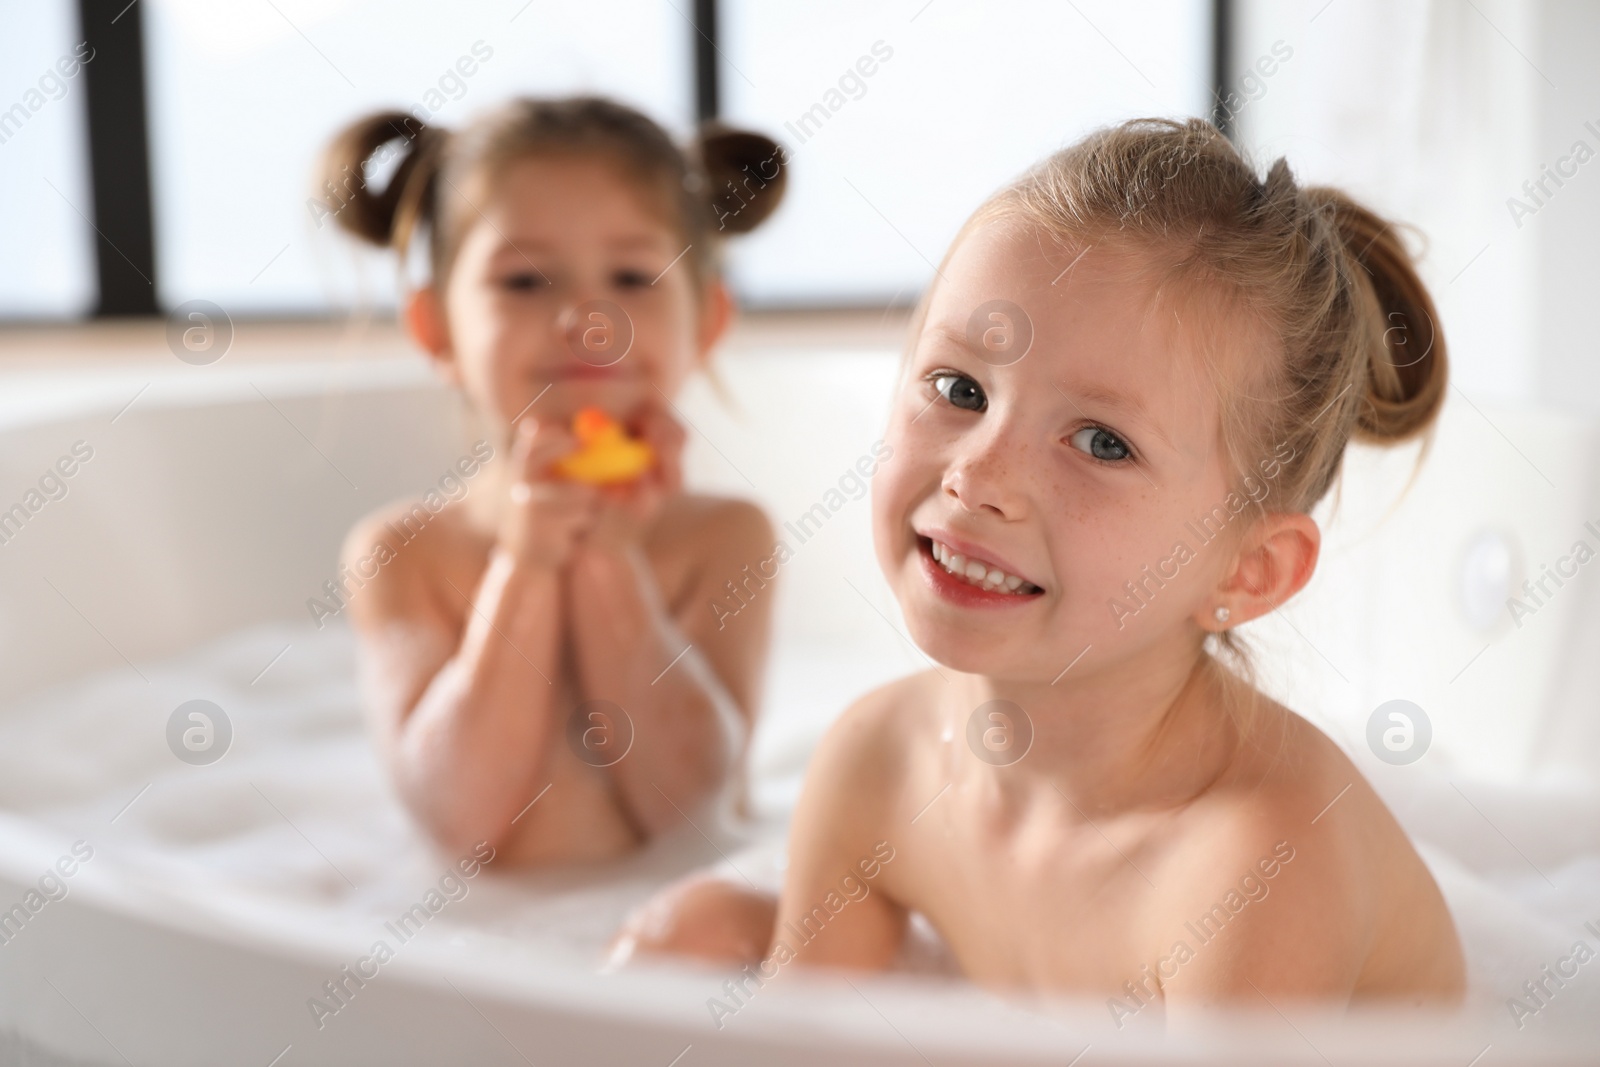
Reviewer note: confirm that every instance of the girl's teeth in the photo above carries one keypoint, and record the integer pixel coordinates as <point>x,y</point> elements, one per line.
<point>990,578</point>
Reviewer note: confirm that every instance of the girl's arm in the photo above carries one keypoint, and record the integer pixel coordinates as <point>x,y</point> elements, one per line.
<point>687,675</point>
<point>834,910</point>
<point>467,713</point>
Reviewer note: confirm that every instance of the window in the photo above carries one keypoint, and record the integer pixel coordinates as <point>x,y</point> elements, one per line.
<point>47,266</point>
<point>901,118</point>
<point>244,97</point>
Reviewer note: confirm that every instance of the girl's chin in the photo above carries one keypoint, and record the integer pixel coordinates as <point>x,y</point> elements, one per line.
<point>949,644</point>
<point>996,644</point>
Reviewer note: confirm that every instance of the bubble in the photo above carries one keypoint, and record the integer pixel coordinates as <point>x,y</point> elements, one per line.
<point>599,732</point>
<point>1399,732</point>
<point>599,332</point>
<point>999,332</point>
<point>199,332</point>
<point>199,732</point>
<point>999,732</point>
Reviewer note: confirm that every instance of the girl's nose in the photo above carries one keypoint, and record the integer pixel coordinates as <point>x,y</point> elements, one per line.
<point>594,329</point>
<point>572,303</point>
<point>984,476</point>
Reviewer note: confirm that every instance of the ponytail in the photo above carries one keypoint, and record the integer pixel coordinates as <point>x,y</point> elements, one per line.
<point>746,174</point>
<point>386,218</point>
<point>1407,366</point>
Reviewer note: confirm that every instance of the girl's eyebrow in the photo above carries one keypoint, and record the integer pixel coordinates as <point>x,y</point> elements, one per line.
<point>951,336</point>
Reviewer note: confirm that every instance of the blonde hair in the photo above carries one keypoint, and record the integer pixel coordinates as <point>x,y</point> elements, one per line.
<point>1358,350</point>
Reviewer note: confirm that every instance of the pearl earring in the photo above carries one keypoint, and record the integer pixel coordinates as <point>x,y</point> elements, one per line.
<point>1221,613</point>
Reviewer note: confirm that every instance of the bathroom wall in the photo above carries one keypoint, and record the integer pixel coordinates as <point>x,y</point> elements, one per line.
<point>1437,113</point>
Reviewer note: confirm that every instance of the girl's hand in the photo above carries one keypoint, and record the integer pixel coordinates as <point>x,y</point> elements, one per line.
<point>625,512</point>
<point>545,517</point>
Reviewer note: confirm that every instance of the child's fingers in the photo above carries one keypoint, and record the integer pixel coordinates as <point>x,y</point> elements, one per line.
<point>661,430</point>
<point>643,499</point>
<point>667,477</point>
<point>666,438</point>
<point>539,446</point>
<point>546,517</point>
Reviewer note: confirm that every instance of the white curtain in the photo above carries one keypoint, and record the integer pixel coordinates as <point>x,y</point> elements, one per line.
<point>1429,112</point>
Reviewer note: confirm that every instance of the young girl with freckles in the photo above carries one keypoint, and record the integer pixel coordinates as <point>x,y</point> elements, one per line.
<point>572,253</point>
<point>1080,797</point>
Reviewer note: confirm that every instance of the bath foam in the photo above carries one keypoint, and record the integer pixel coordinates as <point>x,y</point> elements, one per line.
<point>295,832</point>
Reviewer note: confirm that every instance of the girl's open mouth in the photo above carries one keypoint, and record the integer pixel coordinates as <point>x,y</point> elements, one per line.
<point>971,582</point>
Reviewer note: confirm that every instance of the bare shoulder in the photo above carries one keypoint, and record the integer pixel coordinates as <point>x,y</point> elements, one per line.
<point>1294,856</point>
<point>399,558</point>
<point>1277,799</point>
<point>864,760</point>
<point>1286,775</point>
<point>882,726</point>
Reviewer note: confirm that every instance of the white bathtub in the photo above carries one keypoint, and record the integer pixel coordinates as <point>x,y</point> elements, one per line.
<point>219,899</point>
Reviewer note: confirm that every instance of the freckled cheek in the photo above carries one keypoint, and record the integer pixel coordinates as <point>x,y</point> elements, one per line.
<point>664,347</point>
<point>891,507</point>
<point>1100,540</point>
<point>480,353</point>
<point>484,332</point>
<point>507,355</point>
<point>899,488</point>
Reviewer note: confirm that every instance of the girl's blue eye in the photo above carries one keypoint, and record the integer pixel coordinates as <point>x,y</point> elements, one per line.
<point>961,391</point>
<point>1102,444</point>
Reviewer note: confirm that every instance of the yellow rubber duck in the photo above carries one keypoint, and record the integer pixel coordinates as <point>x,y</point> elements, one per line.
<point>606,455</point>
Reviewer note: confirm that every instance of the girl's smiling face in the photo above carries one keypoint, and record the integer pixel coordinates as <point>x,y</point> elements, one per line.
<point>1070,469</point>
<point>562,268</point>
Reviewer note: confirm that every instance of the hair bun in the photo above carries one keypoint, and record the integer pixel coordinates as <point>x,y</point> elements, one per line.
<point>1279,189</point>
<point>351,200</point>
<point>747,172</point>
<point>1407,365</point>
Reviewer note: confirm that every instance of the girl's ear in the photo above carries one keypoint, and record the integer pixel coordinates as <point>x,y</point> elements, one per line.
<point>424,318</point>
<point>1275,561</point>
<point>716,315</point>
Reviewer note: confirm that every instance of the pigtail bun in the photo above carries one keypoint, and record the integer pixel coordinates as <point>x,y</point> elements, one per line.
<point>746,174</point>
<point>1407,367</point>
<point>385,218</point>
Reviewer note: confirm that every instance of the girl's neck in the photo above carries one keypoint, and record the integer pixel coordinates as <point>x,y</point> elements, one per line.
<point>1151,732</point>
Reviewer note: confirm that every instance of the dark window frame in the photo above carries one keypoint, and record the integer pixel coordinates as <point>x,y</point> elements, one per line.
<point>119,159</point>
<point>1222,46</point>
